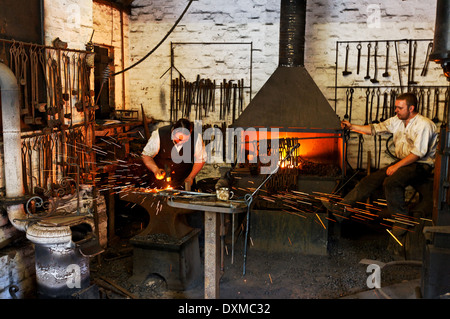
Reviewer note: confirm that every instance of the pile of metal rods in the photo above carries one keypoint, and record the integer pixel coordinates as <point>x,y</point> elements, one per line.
<point>305,205</point>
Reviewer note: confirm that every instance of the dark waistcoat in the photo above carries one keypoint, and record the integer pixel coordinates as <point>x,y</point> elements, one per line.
<point>178,171</point>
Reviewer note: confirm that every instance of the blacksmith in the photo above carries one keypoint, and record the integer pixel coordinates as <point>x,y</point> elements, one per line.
<point>175,155</point>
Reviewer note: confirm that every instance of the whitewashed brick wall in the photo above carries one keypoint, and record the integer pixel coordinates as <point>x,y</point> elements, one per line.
<point>107,26</point>
<point>70,20</point>
<point>257,21</point>
<point>17,268</point>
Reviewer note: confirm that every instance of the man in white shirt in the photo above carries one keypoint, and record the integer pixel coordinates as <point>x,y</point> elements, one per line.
<point>415,138</point>
<point>172,151</point>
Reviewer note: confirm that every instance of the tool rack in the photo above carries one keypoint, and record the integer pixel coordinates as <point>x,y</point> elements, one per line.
<point>370,74</point>
<point>203,96</point>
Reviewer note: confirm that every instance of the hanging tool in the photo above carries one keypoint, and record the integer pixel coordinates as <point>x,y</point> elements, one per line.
<point>428,102</point>
<point>398,66</point>
<point>427,59</point>
<point>371,106</point>
<point>351,104</point>
<point>367,106</point>
<point>368,61</point>
<point>34,60</point>
<point>435,118</point>
<point>392,103</point>
<point>385,107</point>
<point>446,100</point>
<point>70,92</point>
<point>67,97</point>
<point>375,80</point>
<point>378,107</point>
<point>412,65</point>
<point>421,101</point>
<point>386,70</point>
<point>346,72</point>
<point>79,87</point>
<point>347,94</point>
<point>358,61</point>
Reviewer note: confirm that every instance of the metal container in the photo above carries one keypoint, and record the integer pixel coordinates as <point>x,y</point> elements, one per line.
<point>61,270</point>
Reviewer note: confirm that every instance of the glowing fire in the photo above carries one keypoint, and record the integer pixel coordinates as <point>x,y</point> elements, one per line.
<point>156,190</point>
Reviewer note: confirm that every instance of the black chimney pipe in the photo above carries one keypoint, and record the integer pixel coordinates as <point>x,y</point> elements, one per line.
<point>292,33</point>
<point>441,42</point>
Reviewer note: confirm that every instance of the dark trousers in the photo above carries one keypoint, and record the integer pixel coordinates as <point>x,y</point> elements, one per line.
<point>394,186</point>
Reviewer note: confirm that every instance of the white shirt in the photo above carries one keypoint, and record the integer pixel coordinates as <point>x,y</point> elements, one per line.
<point>152,147</point>
<point>419,137</point>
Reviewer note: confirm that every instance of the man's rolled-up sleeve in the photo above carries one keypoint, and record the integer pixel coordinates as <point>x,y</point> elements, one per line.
<point>152,147</point>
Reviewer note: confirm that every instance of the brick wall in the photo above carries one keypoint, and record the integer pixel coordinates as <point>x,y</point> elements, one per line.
<point>257,21</point>
<point>17,268</point>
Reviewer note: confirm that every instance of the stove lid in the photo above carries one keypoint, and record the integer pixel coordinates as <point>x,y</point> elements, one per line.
<point>291,101</point>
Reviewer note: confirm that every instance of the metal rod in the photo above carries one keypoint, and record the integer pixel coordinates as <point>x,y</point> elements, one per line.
<point>377,41</point>
<point>43,46</point>
<point>389,86</point>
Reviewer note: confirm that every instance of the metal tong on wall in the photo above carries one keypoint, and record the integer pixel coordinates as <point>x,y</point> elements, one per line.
<point>49,158</point>
<point>52,81</point>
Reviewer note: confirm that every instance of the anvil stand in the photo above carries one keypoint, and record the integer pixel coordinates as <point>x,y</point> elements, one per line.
<point>168,247</point>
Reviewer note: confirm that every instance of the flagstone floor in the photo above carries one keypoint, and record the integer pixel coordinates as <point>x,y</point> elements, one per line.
<point>268,276</point>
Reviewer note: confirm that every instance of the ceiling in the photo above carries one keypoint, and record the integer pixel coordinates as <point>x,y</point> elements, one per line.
<point>125,4</point>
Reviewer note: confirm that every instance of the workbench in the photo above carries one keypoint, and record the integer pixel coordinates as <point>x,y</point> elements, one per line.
<point>213,208</point>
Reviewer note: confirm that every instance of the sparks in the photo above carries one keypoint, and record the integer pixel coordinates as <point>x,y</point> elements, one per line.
<point>394,237</point>
<point>320,221</point>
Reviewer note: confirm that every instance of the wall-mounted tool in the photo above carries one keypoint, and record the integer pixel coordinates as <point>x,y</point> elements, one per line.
<point>347,95</point>
<point>385,107</point>
<point>351,104</point>
<point>371,106</point>
<point>386,69</point>
<point>375,80</point>
<point>346,72</point>
<point>427,59</point>
<point>367,106</point>
<point>368,62</point>
<point>435,118</point>
<point>412,62</point>
<point>428,102</point>
<point>358,60</point>
<point>378,93</point>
